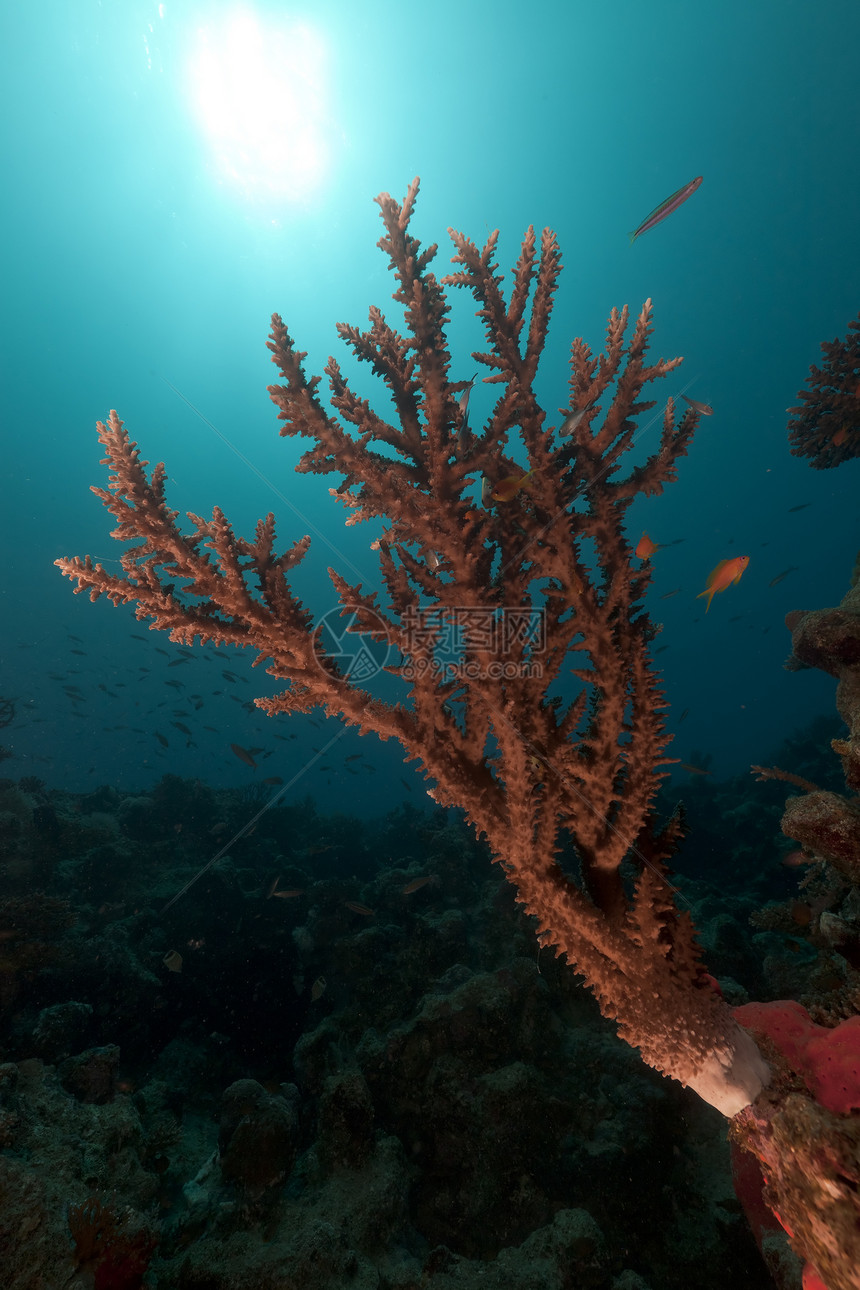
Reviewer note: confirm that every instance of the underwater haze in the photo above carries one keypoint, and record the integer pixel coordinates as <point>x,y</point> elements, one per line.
<point>174,173</point>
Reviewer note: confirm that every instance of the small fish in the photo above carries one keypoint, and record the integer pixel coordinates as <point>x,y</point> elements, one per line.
<point>683,715</point>
<point>794,859</point>
<point>172,961</point>
<point>645,547</point>
<point>289,893</point>
<point>161,739</point>
<point>417,883</point>
<point>666,208</point>
<point>792,568</point>
<point>318,988</point>
<point>575,419</point>
<point>667,595</point>
<point>725,573</point>
<point>486,491</point>
<point>801,507</point>
<point>507,488</point>
<point>464,434</point>
<point>243,755</point>
<point>359,909</point>
<point>840,437</point>
<point>273,779</point>
<point>464,397</point>
<point>703,409</point>
<point>694,770</point>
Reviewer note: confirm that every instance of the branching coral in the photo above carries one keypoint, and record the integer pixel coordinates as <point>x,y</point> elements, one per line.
<point>826,425</point>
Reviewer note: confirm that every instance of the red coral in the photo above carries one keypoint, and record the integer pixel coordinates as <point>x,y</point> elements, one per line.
<point>116,1245</point>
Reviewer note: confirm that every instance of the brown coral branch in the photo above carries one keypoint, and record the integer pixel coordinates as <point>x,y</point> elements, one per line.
<point>763,773</point>
<point>514,584</point>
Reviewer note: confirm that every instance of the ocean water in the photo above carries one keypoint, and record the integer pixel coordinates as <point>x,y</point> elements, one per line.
<point>353,992</point>
<point>175,173</point>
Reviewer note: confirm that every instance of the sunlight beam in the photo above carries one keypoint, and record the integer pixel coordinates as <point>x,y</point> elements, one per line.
<point>259,88</point>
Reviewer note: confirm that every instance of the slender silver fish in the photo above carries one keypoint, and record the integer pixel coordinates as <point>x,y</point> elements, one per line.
<point>665,208</point>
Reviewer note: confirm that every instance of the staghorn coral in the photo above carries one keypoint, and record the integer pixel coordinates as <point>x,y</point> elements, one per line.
<point>534,573</point>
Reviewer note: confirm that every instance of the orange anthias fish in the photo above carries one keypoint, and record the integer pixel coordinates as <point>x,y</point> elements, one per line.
<point>507,489</point>
<point>646,548</point>
<point>726,572</point>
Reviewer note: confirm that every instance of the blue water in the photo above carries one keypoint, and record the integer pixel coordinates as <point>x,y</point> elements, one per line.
<point>175,173</point>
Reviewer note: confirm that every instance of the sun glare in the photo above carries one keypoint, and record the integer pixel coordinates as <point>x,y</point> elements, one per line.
<point>258,89</point>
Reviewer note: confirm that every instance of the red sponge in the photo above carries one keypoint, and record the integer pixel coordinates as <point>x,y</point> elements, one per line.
<point>827,1060</point>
